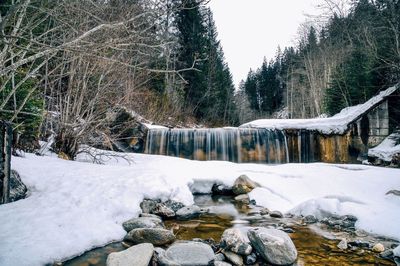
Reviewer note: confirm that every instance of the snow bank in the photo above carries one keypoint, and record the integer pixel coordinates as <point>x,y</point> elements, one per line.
<point>387,149</point>
<point>336,124</point>
<point>74,206</point>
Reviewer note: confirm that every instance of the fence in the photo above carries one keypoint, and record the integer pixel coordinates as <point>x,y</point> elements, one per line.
<point>5,160</point>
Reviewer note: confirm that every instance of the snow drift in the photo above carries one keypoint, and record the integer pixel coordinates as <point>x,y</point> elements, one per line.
<point>75,206</point>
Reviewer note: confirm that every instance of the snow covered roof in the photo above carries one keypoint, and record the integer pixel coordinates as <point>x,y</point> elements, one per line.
<point>336,124</point>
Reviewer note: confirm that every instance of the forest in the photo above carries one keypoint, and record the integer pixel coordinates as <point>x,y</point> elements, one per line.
<point>342,58</point>
<point>68,66</point>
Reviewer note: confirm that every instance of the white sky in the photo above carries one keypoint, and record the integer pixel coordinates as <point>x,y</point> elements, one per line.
<point>252,29</point>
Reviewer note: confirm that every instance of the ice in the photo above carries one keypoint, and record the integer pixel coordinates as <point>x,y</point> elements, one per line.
<point>75,206</point>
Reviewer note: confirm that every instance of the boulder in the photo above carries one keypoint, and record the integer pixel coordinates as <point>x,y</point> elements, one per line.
<point>251,259</point>
<point>139,255</point>
<point>17,188</point>
<point>148,205</point>
<point>310,219</point>
<point>274,246</point>
<point>243,198</point>
<point>162,210</point>
<point>142,222</point>
<point>234,258</point>
<point>187,254</point>
<point>188,212</point>
<point>232,239</point>
<point>378,248</point>
<point>174,205</point>
<point>243,184</point>
<point>220,189</point>
<point>276,214</point>
<point>155,236</point>
<point>342,244</point>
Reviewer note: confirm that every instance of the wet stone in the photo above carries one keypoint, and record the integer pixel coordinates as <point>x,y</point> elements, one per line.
<point>142,222</point>
<point>276,214</point>
<point>264,211</point>
<point>244,198</point>
<point>310,219</point>
<point>162,210</point>
<point>232,239</point>
<point>234,258</point>
<point>220,189</point>
<point>174,205</point>
<point>154,236</point>
<point>139,255</point>
<point>359,244</point>
<point>148,205</point>
<point>378,248</point>
<point>187,254</point>
<point>342,244</point>
<point>188,212</point>
<point>243,184</point>
<point>251,259</point>
<point>274,246</point>
<point>387,254</point>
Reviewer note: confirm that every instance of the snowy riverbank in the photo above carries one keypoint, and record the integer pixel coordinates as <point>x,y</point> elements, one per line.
<point>74,206</point>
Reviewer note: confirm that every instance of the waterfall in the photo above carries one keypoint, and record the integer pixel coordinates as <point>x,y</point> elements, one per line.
<point>227,144</point>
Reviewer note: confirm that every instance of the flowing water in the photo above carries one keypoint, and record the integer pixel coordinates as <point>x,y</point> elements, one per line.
<point>314,245</point>
<point>226,144</point>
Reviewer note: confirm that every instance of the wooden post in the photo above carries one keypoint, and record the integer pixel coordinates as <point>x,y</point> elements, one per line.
<point>2,131</point>
<point>7,162</point>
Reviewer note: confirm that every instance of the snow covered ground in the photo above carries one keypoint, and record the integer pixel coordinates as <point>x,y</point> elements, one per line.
<point>336,124</point>
<point>74,206</point>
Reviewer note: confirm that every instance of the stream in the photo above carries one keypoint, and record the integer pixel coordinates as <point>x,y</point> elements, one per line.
<point>316,244</point>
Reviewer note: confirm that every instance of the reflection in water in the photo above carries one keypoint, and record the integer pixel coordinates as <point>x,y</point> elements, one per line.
<point>313,248</point>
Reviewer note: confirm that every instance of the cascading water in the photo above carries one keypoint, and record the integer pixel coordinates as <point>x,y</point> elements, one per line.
<point>227,144</point>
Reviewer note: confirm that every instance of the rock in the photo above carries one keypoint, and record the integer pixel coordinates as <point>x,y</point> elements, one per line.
<point>310,219</point>
<point>139,255</point>
<point>274,246</point>
<point>264,211</point>
<point>162,210</point>
<point>221,263</point>
<point>188,212</point>
<point>234,258</point>
<point>243,198</point>
<point>187,254</point>
<point>149,215</point>
<point>276,214</point>
<point>387,254</point>
<point>17,188</point>
<point>232,239</point>
<point>342,244</point>
<point>142,222</point>
<point>346,221</point>
<point>378,248</point>
<point>156,236</point>
<point>396,251</point>
<point>243,184</point>
<point>148,205</point>
<point>220,189</point>
<point>251,259</point>
<point>219,257</point>
<point>359,244</point>
<point>174,205</point>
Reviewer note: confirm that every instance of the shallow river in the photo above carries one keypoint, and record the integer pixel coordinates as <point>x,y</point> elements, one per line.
<point>314,244</point>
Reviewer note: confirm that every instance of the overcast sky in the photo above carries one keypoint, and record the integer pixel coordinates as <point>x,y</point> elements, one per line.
<point>252,29</point>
